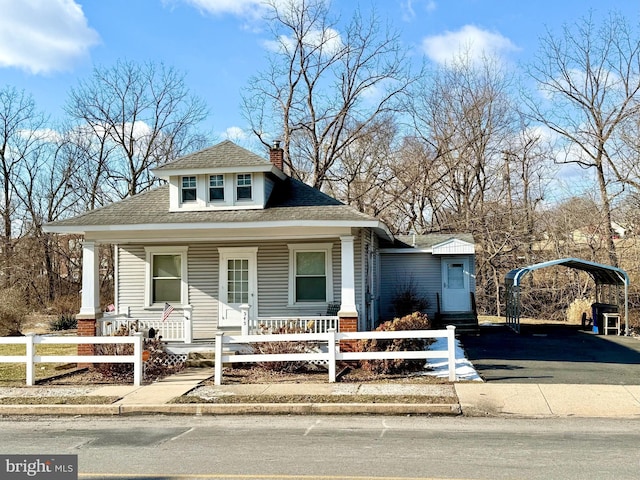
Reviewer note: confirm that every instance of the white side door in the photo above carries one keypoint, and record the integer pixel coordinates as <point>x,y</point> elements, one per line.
<point>238,284</point>
<point>455,285</point>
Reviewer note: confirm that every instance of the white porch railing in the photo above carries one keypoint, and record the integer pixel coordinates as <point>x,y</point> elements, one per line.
<point>30,358</point>
<point>333,354</point>
<point>171,330</point>
<point>312,324</point>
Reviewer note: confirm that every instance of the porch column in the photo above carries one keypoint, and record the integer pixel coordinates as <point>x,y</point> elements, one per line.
<point>348,311</point>
<point>90,307</point>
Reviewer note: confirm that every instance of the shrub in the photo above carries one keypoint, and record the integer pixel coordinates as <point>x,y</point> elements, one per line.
<point>414,321</point>
<point>13,312</point>
<point>156,366</point>
<point>65,305</point>
<point>65,321</point>
<point>273,348</point>
<point>577,308</point>
<point>407,299</point>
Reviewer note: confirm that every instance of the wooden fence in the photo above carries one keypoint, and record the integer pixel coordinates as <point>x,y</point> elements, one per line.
<point>333,354</point>
<point>30,358</point>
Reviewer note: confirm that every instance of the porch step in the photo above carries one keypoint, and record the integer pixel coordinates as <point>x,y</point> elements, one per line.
<point>465,322</point>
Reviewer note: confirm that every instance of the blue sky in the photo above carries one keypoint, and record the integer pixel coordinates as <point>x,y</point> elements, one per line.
<point>46,46</point>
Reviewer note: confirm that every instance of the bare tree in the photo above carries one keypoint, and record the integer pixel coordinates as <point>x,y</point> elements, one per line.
<point>129,118</point>
<point>324,85</point>
<point>590,80</point>
<point>20,139</point>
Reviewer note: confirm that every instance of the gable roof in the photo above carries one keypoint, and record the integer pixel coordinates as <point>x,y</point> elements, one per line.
<point>431,240</point>
<point>221,155</point>
<point>224,157</point>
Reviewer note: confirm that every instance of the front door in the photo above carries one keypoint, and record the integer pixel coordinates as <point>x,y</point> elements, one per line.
<point>455,285</point>
<point>238,282</point>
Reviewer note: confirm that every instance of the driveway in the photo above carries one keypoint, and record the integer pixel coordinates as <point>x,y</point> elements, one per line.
<point>553,354</point>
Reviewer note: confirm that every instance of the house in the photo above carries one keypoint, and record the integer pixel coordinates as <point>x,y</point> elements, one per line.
<point>438,268</point>
<point>232,243</point>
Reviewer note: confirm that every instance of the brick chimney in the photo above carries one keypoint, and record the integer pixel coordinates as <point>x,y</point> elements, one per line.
<point>276,155</point>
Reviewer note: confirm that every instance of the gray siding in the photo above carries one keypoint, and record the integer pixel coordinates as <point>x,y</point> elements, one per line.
<point>396,269</point>
<point>203,277</point>
<point>203,261</point>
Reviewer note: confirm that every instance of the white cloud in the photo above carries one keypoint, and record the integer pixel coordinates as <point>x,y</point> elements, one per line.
<point>329,39</point>
<point>233,7</point>
<point>409,8</point>
<point>235,134</point>
<point>469,40</point>
<point>43,36</point>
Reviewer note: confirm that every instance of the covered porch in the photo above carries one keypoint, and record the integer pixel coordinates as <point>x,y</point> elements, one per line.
<point>244,318</point>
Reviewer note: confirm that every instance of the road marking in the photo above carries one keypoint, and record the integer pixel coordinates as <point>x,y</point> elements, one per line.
<point>308,430</point>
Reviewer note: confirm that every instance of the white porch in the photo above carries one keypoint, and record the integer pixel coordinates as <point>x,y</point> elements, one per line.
<point>179,327</point>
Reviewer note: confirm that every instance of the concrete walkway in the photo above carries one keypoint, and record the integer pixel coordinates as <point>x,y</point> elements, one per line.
<point>549,400</point>
<point>471,399</point>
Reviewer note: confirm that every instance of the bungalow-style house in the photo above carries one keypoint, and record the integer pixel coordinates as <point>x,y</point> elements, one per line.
<point>232,243</point>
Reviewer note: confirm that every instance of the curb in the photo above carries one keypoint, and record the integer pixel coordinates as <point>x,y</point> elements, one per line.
<point>452,409</point>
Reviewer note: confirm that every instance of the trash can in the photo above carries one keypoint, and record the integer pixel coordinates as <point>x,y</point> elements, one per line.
<point>597,310</point>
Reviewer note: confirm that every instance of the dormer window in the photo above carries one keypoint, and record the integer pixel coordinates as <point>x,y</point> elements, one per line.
<point>216,188</point>
<point>243,187</point>
<point>188,189</point>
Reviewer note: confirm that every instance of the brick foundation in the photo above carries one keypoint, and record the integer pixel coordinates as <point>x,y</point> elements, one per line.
<point>348,324</point>
<point>86,328</point>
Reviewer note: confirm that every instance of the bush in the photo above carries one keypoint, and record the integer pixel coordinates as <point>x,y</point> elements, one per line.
<point>406,298</point>
<point>13,312</point>
<point>65,305</point>
<point>65,321</point>
<point>273,348</point>
<point>577,308</point>
<point>415,321</point>
<point>156,366</point>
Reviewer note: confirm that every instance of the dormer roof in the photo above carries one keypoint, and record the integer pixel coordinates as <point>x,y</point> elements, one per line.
<point>224,157</point>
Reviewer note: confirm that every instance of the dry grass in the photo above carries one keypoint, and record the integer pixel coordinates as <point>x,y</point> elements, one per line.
<point>525,321</point>
<point>15,374</point>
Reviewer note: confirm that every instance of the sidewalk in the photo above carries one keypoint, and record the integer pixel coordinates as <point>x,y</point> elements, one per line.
<point>549,400</point>
<point>467,398</point>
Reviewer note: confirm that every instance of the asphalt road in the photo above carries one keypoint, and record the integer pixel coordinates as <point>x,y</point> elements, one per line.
<point>553,354</point>
<point>333,447</point>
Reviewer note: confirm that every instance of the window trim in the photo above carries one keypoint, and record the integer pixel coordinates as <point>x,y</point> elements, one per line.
<point>194,188</point>
<point>250,186</point>
<point>150,252</point>
<point>327,249</point>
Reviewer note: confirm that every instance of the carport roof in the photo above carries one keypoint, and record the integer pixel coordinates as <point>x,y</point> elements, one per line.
<point>601,274</point>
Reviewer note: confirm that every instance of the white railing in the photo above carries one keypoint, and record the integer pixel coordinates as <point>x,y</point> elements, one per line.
<point>169,330</point>
<point>333,354</point>
<point>30,358</point>
<point>312,324</point>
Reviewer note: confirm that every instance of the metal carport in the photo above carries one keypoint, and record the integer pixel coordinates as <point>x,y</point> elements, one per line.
<point>601,274</point>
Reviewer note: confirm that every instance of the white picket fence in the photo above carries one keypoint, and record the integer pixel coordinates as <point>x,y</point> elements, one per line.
<point>30,358</point>
<point>333,354</point>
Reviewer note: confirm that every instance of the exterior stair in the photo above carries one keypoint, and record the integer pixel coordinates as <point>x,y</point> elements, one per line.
<point>466,323</point>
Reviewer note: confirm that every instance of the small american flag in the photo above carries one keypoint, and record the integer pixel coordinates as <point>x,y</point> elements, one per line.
<point>166,312</point>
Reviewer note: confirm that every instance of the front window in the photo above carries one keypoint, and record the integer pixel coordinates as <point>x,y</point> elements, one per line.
<point>244,186</point>
<point>311,277</point>
<point>188,189</point>
<point>166,275</point>
<point>216,188</point>
<point>167,279</point>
